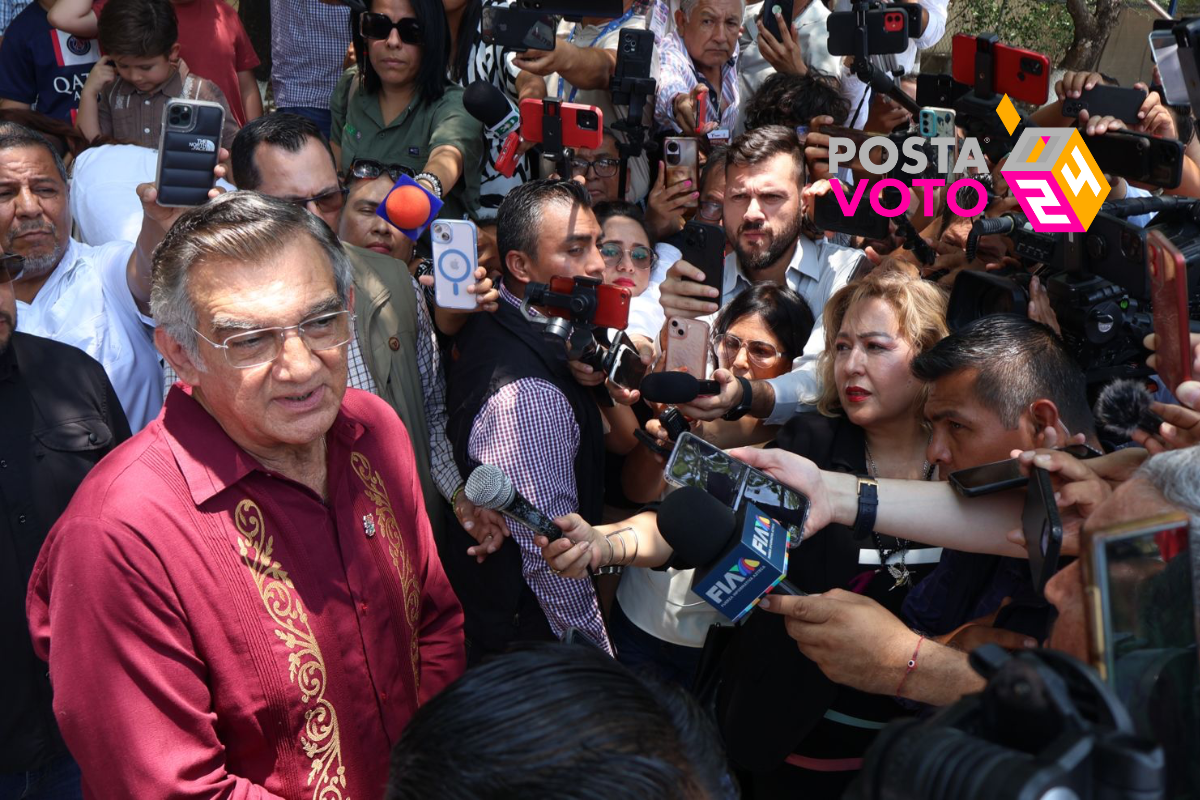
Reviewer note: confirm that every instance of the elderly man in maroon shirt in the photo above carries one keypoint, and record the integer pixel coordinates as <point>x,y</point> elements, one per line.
<point>245,599</point>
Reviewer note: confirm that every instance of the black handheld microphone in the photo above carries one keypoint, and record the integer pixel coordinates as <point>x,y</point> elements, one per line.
<point>486,103</point>
<point>675,387</point>
<point>489,487</point>
<point>738,556</point>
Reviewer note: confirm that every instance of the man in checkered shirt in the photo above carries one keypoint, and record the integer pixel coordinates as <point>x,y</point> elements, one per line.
<point>514,403</point>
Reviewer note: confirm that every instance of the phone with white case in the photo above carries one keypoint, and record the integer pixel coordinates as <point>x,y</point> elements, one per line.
<point>455,257</point>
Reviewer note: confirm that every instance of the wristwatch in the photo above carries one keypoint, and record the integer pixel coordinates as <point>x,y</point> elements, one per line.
<point>868,505</point>
<point>743,407</point>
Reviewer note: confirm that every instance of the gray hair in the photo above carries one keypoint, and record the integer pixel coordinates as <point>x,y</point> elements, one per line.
<point>14,135</point>
<point>237,226</point>
<point>1176,473</point>
<point>688,6</point>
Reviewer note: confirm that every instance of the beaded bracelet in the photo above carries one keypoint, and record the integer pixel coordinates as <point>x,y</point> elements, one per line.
<point>912,665</point>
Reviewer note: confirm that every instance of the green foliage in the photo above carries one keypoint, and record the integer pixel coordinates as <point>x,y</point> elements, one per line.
<point>1041,25</point>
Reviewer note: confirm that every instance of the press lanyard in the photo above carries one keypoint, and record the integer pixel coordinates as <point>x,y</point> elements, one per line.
<point>609,28</point>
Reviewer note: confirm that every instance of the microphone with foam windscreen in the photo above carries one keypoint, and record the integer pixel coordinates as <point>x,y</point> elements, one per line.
<point>1124,407</point>
<point>489,487</point>
<point>738,556</point>
<point>675,387</point>
<point>500,118</point>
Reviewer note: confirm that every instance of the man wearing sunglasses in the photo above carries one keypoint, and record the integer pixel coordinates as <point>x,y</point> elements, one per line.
<point>94,298</point>
<point>247,600</point>
<point>393,353</point>
<point>60,416</point>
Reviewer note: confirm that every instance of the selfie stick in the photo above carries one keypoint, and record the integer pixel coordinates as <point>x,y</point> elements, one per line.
<point>867,72</point>
<point>552,141</point>
<point>638,91</point>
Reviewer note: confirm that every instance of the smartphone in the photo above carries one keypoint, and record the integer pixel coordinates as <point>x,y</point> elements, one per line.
<point>582,126</point>
<point>768,21</point>
<point>608,309</point>
<point>828,216</point>
<point>686,347</point>
<point>939,91</point>
<point>1165,51</point>
<point>188,150</point>
<point>1106,101</point>
<point>988,478</point>
<point>1127,568</point>
<point>1019,73</point>
<point>939,123</point>
<point>1169,301</point>
<point>623,364</point>
<point>682,160</point>
<point>518,29</point>
<point>635,54</point>
<point>703,247</point>
<point>1138,157</point>
<point>887,31</point>
<point>1187,36</point>
<point>697,463</point>
<point>1043,529</point>
<point>455,257</point>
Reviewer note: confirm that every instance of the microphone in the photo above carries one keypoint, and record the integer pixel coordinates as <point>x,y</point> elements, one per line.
<point>1124,406</point>
<point>675,387</point>
<point>488,487</point>
<point>486,103</point>
<point>738,556</point>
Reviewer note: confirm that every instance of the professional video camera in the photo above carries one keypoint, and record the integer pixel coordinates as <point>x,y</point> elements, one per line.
<point>1045,726</point>
<point>589,318</point>
<point>1097,281</point>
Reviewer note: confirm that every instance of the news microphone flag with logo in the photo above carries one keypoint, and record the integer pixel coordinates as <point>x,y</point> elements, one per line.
<point>1053,175</point>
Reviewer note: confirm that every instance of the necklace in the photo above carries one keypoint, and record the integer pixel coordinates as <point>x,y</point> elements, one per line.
<point>899,571</point>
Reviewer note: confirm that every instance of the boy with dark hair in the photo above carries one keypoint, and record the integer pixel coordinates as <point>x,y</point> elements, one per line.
<point>126,92</point>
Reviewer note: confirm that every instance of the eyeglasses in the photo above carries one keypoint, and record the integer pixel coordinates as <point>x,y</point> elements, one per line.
<point>640,256</point>
<point>328,202</point>
<point>367,169</point>
<point>11,267</point>
<point>603,167</point>
<point>711,211</point>
<point>762,354</point>
<point>255,348</point>
<point>380,26</point>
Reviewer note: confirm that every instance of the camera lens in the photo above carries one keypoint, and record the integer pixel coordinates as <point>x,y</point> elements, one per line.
<point>587,121</point>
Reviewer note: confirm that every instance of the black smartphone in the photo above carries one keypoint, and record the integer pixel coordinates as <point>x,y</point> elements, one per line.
<point>703,247</point>
<point>188,150</point>
<point>988,478</point>
<point>1043,529</point>
<point>1106,101</point>
<point>828,216</point>
<point>518,29</point>
<point>1138,157</point>
<point>887,31</point>
<point>623,364</point>
<point>768,21</point>
<point>635,54</point>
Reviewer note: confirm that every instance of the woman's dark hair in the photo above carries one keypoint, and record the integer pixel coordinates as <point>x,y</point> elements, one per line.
<point>621,208</point>
<point>468,38</point>
<point>793,100</point>
<point>558,720</point>
<point>785,313</point>
<point>435,54</point>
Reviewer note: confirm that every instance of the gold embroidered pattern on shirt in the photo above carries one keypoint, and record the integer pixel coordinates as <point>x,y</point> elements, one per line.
<point>385,522</point>
<point>321,739</point>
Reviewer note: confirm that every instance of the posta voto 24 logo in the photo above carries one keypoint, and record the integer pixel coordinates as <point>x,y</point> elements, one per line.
<point>1050,171</point>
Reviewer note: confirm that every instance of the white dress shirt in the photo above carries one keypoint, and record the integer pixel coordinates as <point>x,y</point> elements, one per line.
<point>86,303</point>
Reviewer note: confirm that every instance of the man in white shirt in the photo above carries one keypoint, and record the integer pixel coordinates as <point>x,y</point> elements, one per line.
<point>94,298</point>
<point>812,40</point>
<point>765,174</point>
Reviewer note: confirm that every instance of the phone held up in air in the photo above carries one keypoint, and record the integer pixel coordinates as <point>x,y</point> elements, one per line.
<point>455,257</point>
<point>623,364</point>
<point>697,463</point>
<point>582,126</point>
<point>1021,74</point>
<point>686,346</point>
<point>703,247</point>
<point>518,29</point>
<point>1169,299</point>
<point>768,21</point>
<point>188,151</point>
<point>682,162</point>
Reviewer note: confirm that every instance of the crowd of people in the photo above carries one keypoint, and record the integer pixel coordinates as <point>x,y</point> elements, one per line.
<point>241,560</point>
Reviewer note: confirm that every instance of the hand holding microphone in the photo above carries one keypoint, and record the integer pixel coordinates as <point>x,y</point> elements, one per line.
<point>500,119</point>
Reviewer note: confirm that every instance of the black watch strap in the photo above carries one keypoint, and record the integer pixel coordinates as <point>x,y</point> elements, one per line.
<point>868,505</point>
<point>742,408</point>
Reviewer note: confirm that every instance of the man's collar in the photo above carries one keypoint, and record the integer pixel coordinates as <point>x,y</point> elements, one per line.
<point>62,270</point>
<point>209,460</point>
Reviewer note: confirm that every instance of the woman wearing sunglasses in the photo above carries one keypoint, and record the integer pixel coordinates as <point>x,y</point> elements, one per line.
<point>399,107</point>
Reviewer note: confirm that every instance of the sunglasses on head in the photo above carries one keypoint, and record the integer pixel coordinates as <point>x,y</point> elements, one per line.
<point>379,26</point>
<point>11,266</point>
<point>367,169</point>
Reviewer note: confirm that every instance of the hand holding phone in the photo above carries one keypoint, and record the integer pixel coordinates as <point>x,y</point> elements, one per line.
<point>189,148</point>
<point>1042,526</point>
<point>455,257</point>
<point>1169,299</point>
<point>686,347</point>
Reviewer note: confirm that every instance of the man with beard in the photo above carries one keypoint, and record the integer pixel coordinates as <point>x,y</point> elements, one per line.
<point>60,417</point>
<point>95,298</point>
<point>764,176</point>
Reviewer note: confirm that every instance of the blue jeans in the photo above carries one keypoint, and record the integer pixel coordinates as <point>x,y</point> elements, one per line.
<point>321,116</point>
<point>58,780</point>
<point>649,655</point>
